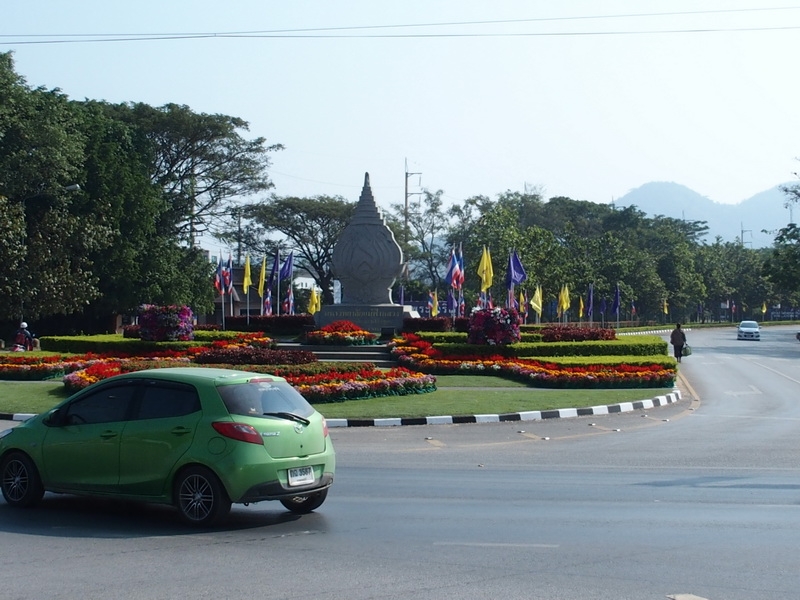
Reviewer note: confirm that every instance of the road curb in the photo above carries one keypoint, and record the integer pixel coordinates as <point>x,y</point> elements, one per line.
<point>533,415</point>
<point>16,416</point>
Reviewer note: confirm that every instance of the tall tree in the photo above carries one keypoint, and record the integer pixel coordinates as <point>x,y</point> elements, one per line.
<point>309,226</point>
<point>782,265</point>
<point>201,162</point>
<point>41,154</point>
<point>141,265</point>
<point>423,240</point>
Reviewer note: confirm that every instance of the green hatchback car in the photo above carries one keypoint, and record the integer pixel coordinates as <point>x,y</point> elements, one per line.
<point>197,438</point>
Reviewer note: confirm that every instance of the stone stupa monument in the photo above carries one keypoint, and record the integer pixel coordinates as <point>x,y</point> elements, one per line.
<point>367,260</point>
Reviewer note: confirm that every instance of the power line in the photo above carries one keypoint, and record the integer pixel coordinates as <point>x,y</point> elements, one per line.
<point>314,32</point>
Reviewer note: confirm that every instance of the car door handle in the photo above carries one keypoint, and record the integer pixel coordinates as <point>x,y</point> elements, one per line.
<point>181,430</point>
<point>107,435</point>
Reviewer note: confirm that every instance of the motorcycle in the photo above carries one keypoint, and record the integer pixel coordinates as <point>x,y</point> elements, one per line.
<point>797,335</point>
<point>22,342</point>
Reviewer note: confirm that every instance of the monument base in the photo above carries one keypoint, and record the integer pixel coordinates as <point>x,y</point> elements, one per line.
<point>374,318</point>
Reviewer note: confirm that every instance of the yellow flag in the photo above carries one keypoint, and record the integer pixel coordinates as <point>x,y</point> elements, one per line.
<point>262,278</point>
<point>560,302</point>
<point>763,308</point>
<point>666,307</point>
<point>485,271</point>
<point>536,301</point>
<point>565,299</point>
<point>246,282</point>
<point>435,307</point>
<point>580,308</point>
<point>313,302</point>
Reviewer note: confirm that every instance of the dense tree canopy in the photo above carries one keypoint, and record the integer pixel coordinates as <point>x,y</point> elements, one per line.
<point>200,163</point>
<point>153,178</point>
<point>308,226</point>
<point>99,203</point>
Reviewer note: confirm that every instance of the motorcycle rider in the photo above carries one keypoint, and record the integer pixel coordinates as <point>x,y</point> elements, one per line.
<point>23,339</point>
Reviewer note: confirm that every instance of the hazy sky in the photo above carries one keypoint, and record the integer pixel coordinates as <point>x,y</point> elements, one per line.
<point>585,99</point>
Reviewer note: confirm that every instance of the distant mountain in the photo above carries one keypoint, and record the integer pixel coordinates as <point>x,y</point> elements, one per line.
<point>746,220</point>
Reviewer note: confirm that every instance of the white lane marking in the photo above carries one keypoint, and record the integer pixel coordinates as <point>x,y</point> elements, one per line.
<point>754,391</point>
<point>494,545</point>
<point>763,366</point>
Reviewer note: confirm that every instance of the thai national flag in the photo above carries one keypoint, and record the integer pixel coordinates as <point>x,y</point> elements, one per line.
<point>268,302</point>
<point>219,277</point>
<point>228,275</point>
<point>288,305</point>
<point>460,259</point>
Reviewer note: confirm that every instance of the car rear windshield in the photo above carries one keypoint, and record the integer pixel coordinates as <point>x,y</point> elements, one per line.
<point>262,397</point>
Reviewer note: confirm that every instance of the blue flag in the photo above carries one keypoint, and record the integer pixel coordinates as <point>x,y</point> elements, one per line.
<point>615,305</point>
<point>590,304</point>
<point>274,271</point>
<point>451,279</point>
<point>516,272</point>
<point>287,269</point>
<point>451,301</point>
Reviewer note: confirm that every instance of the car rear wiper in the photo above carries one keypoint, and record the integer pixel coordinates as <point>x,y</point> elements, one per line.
<point>289,416</point>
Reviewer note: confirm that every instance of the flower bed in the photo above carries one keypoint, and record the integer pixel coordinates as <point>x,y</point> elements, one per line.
<point>418,354</point>
<point>162,323</point>
<point>317,382</point>
<point>493,326</point>
<point>341,333</point>
<point>337,385</point>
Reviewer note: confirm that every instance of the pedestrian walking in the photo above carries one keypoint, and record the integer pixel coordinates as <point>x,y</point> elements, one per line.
<point>678,340</point>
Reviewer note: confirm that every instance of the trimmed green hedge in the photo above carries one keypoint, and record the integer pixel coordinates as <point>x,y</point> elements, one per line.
<point>456,337</point>
<point>111,343</point>
<point>117,345</point>
<point>640,345</point>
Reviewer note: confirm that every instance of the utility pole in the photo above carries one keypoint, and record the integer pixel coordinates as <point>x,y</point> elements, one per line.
<point>742,232</point>
<point>237,212</point>
<point>405,225</point>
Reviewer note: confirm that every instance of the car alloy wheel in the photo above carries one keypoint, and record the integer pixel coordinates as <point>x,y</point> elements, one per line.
<point>200,498</point>
<point>21,483</point>
<point>305,504</point>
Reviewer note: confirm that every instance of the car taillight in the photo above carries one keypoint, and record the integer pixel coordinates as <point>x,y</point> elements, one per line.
<point>324,428</point>
<point>238,431</point>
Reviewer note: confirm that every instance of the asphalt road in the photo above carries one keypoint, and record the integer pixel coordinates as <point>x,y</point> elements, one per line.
<point>696,499</point>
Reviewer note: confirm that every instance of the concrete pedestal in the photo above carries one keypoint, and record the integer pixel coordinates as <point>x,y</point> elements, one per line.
<point>373,318</point>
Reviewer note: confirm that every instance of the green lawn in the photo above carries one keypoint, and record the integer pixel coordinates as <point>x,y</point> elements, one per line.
<point>457,395</point>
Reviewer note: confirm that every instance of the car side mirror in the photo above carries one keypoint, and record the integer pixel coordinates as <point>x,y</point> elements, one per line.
<point>55,418</point>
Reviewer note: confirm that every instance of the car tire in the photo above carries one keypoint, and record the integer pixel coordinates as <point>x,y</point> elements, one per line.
<point>200,498</point>
<point>22,485</point>
<point>305,504</point>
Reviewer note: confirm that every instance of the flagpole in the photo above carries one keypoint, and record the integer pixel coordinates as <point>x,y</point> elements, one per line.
<point>223,306</point>
<point>278,277</point>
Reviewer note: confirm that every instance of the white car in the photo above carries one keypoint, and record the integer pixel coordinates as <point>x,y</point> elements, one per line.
<point>748,330</point>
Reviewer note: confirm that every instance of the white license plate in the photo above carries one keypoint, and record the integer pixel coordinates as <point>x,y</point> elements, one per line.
<point>301,476</point>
